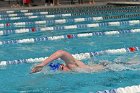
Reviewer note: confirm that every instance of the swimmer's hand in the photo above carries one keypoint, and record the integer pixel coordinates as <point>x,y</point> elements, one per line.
<point>37,69</point>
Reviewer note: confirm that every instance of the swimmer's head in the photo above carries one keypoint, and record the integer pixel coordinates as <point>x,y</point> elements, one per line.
<point>58,66</point>
<point>54,66</point>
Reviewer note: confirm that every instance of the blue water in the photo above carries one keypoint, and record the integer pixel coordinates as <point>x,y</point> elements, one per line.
<point>16,78</point>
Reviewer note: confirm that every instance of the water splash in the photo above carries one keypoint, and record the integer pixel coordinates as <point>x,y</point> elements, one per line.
<point>132,63</point>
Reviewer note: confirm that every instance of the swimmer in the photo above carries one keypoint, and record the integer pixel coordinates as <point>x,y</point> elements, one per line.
<point>70,63</point>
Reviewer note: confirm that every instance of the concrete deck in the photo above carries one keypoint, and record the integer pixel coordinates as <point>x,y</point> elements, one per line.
<point>7,6</point>
<point>4,5</point>
<point>124,3</point>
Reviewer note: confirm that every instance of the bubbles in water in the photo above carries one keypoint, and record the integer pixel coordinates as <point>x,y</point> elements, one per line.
<point>116,67</point>
<point>27,48</point>
<point>119,59</point>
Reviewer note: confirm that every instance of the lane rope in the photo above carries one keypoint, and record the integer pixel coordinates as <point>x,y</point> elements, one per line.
<point>64,37</point>
<point>67,27</point>
<point>128,89</point>
<point>79,56</point>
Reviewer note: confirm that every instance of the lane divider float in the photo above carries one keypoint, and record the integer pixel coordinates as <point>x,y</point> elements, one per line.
<point>68,27</point>
<point>63,37</point>
<point>46,15</point>
<point>81,26</point>
<point>79,56</point>
<point>70,9</point>
<point>62,10</point>
<point>128,89</point>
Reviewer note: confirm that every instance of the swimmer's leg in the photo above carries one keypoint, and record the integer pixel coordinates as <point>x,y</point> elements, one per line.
<point>134,60</point>
<point>97,67</point>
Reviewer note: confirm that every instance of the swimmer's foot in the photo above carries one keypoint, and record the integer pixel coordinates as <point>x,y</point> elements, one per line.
<point>37,69</point>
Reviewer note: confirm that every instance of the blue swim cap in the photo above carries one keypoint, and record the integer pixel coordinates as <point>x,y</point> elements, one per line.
<point>54,66</point>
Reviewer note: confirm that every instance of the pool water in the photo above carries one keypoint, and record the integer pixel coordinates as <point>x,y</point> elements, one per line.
<point>17,78</point>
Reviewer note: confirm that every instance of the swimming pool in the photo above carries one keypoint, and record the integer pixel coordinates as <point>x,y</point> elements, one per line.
<point>30,35</point>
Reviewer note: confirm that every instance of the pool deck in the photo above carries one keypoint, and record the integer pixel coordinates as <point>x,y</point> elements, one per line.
<point>124,3</point>
<point>6,6</point>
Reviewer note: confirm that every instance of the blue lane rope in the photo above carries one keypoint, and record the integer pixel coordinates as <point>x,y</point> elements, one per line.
<point>79,26</point>
<point>68,20</point>
<point>44,14</point>
<point>62,10</point>
<point>80,56</point>
<point>67,27</point>
<point>40,23</point>
<point>128,89</point>
<point>69,36</point>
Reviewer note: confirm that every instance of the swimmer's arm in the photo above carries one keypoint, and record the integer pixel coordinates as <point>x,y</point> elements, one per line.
<point>36,69</point>
<point>53,57</point>
<point>40,66</point>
